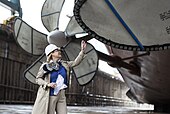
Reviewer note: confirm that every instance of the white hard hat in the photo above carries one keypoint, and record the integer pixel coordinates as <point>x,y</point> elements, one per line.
<point>50,48</point>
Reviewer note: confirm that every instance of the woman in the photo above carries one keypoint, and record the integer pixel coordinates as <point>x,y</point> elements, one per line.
<point>52,78</point>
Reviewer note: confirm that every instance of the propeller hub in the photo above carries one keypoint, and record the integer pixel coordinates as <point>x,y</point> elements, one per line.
<point>57,37</point>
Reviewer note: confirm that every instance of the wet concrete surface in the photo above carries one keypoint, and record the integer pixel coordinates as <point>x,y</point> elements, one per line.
<point>26,109</point>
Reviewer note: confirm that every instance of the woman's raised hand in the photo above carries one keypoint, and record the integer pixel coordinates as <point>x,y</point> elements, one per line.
<point>83,45</point>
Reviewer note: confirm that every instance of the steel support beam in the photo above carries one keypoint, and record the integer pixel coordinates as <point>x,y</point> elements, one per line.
<point>13,5</point>
<point>117,62</point>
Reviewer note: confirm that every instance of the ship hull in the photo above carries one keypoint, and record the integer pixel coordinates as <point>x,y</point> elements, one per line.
<point>152,84</point>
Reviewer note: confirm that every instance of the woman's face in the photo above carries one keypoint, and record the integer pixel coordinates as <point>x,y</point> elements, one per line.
<point>56,53</point>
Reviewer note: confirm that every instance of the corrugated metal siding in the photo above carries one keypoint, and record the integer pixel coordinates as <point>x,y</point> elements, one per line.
<point>13,61</point>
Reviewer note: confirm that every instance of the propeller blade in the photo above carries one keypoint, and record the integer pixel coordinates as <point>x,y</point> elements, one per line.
<point>31,40</point>
<point>31,72</point>
<point>50,14</point>
<point>130,25</point>
<point>87,69</point>
<point>73,28</point>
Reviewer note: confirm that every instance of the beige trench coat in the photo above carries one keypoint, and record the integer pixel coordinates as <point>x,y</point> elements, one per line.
<point>42,99</point>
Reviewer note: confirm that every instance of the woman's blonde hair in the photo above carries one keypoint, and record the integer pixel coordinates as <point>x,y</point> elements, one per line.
<point>49,57</point>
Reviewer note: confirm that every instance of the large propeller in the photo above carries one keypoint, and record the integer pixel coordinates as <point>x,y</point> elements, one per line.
<point>34,42</point>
